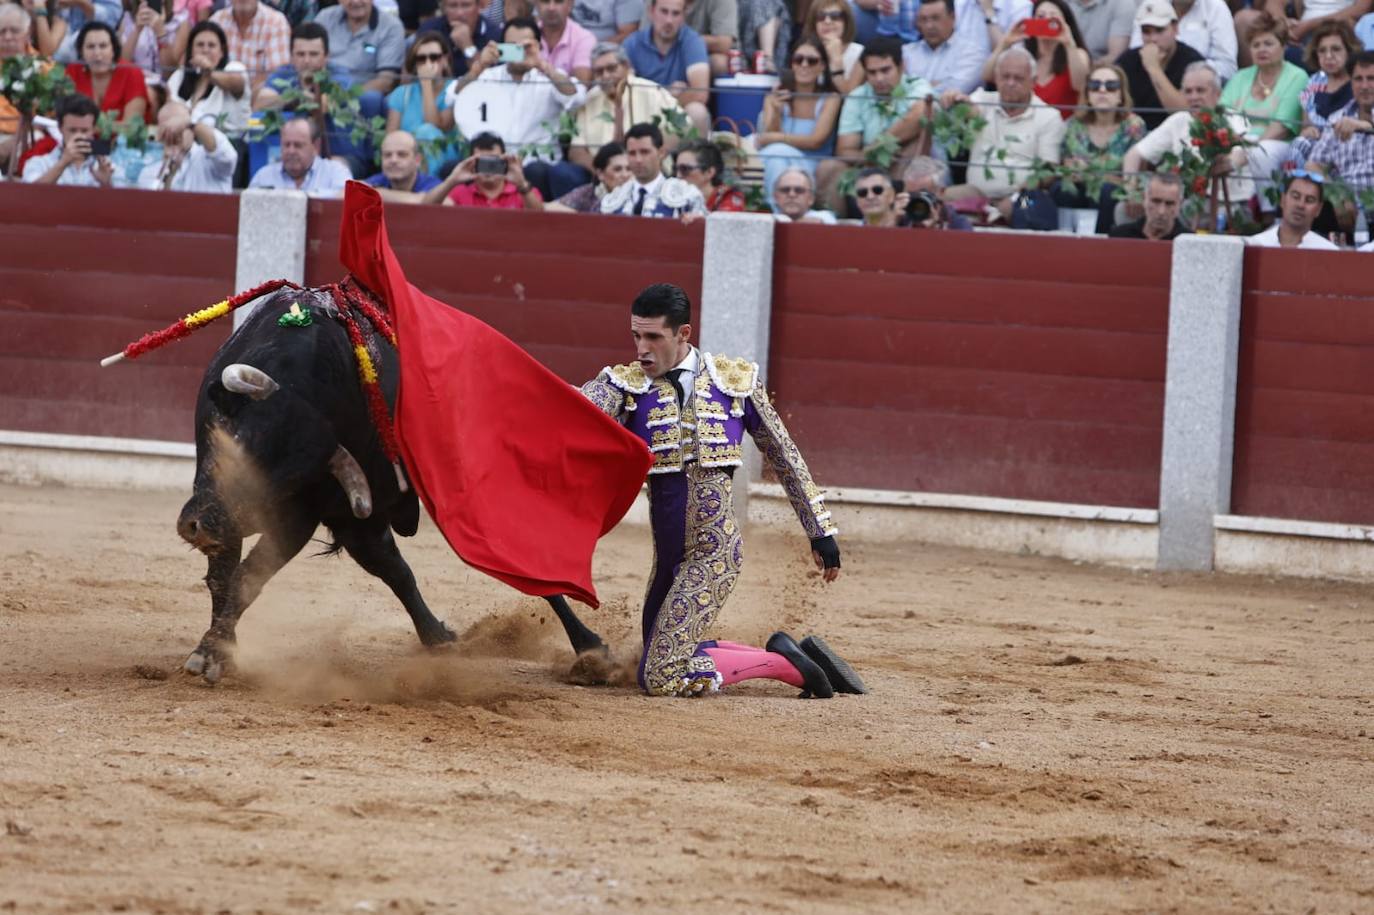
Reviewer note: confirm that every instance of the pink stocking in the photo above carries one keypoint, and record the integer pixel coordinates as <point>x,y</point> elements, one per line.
<point>744,662</point>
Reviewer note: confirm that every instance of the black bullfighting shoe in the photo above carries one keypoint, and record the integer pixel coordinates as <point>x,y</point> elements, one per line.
<point>816,684</point>
<point>842,677</point>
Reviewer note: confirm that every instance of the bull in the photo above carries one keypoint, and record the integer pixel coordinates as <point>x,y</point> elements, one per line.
<point>285,443</point>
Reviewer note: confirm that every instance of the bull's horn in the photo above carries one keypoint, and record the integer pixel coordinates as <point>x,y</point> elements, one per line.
<point>244,379</point>
<point>353,481</point>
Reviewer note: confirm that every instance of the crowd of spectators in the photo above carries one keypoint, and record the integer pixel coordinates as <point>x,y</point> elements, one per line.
<point>927,113</point>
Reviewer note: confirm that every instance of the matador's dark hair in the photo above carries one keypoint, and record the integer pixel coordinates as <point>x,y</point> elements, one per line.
<point>663,300</point>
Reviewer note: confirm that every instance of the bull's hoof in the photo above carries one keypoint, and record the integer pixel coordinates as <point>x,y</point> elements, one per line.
<point>208,665</point>
<point>437,636</point>
<point>195,664</point>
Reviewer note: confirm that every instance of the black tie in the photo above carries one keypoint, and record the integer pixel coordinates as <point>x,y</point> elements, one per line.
<point>639,204</point>
<point>675,376</point>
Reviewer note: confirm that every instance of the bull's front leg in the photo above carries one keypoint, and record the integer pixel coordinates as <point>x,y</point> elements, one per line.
<point>224,560</point>
<point>277,546</point>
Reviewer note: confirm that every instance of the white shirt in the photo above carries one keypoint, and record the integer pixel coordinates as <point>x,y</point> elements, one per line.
<point>1172,137</point>
<point>200,171</point>
<point>76,174</point>
<point>515,111</point>
<point>217,101</point>
<point>1314,9</point>
<point>1367,247</point>
<point>1269,238</point>
<point>663,198</point>
<point>1006,13</point>
<point>690,367</point>
<point>1035,133</point>
<point>326,178</point>
<point>1210,29</point>
<point>822,216</point>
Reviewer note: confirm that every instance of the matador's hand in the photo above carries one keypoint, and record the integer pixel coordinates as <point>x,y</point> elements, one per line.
<point>826,552</point>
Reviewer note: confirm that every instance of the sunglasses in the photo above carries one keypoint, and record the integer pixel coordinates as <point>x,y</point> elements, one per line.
<point>1316,178</point>
<point>830,16</point>
<point>1101,85</point>
<point>805,60</point>
<point>428,58</point>
<point>875,189</point>
<point>684,169</point>
<point>791,191</point>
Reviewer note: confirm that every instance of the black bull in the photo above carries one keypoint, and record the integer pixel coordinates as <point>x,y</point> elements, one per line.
<point>285,443</point>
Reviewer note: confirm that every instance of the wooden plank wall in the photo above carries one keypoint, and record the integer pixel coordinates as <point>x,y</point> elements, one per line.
<point>558,284</point>
<point>83,273</point>
<point>1017,366</point>
<point>1305,388</point>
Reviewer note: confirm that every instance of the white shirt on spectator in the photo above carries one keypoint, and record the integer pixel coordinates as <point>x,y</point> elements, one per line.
<point>822,216</point>
<point>200,171</point>
<point>958,63</point>
<point>1366,247</point>
<point>1210,29</point>
<point>1006,13</point>
<point>74,175</point>
<point>515,111</point>
<point>1269,238</point>
<point>664,198</point>
<point>217,101</point>
<point>1035,133</point>
<point>326,178</point>
<point>1173,137</point>
<point>1314,9</point>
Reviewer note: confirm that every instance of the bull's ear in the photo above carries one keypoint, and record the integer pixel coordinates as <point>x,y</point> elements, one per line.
<point>227,402</point>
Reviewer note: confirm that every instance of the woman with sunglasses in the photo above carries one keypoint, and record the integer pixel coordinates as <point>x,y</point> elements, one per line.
<point>702,166</point>
<point>1331,58</point>
<point>117,88</point>
<point>797,126</point>
<point>426,75</point>
<point>1096,140</point>
<point>1061,63</point>
<point>832,21</point>
<point>209,82</point>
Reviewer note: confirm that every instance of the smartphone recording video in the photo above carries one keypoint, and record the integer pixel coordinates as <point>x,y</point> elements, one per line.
<point>491,165</point>
<point>1043,28</point>
<point>510,53</point>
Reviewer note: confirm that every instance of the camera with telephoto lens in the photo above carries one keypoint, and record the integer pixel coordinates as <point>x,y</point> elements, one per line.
<point>920,207</point>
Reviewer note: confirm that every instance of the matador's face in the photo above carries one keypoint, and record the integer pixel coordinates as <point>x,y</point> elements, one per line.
<point>657,346</point>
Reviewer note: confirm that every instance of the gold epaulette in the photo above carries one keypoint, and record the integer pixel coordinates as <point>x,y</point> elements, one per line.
<point>629,377</point>
<point>735,377</point>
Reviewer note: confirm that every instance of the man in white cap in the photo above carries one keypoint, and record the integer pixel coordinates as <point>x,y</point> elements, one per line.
<point>1155,69</point>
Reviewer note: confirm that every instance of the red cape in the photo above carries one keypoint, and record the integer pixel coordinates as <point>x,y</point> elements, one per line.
<point>521,473</point>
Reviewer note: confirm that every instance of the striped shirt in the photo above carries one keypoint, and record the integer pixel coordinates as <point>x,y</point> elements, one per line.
<point>264,46</point>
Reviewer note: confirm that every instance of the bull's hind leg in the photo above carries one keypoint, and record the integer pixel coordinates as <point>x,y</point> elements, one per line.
<point>582,638</point>
<point>375,550</point>
<point>277,546</point>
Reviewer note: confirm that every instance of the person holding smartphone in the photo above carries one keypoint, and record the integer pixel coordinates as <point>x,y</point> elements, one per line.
<point>490,178</point>
<point>82,160</point>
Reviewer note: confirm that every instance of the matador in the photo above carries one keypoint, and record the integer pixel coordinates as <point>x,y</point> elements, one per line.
<point>692,409</point>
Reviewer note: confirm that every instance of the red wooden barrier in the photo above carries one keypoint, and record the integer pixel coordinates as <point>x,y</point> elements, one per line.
<point>998,365</point>
<point>558,284</point>
<point>1305,389</point>
<point>82,273</point>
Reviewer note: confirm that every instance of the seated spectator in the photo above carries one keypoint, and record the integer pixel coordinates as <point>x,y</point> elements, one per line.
<point>718,24</point>
<point>1155,69</point>
<point>1298,209</point>
<point>674,56</point>
<point>468,33</point>
<point>309,59</point>
<point>617,101</point>
<point>794,199</point>
<point>611,169</point>
<point>764,29</point>
<point>924,183</point>
<point>564,43</point>
<point>147,41</point>
<point>56,27</point>
<point>1202,91</point>
<point>1001,16</point>
<point>1096,141</point>
<point>259,37</point>
<point>832,21</point>
<point>702,166</point>
<point>649,192</point>
<point>1364,34</point>
<point>1268,95</point>
<point>1347,146</point>
<point>302,168</point>
<point>946,57</point>
<point>1021,131</point>
<point>1207,27</point>
<point>1106,27</point>
<point>403,177</point>
<point>14,42</point>
<point>877,198</point>
<point>1061,63</point>
<point>1311,13</point>
<point>490,178</point>
<point>1330,56</point>
<point>797,125</point>
<point>877,108</point>
<point>366,42</point>
<point>209,82</point>
<point>196,155</point>
<point>609,20</point>
<point>1163,199</point>
<point>519,102</point>
<point>298,11</point>
<point>72,163</point>
<point>416,106</point>
<point>114,87</point>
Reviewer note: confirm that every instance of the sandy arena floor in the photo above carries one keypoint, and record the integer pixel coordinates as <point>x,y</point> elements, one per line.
<point>1041,736</point>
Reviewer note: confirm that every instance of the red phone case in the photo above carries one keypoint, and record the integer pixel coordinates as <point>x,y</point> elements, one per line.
<point>1042,28</point>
